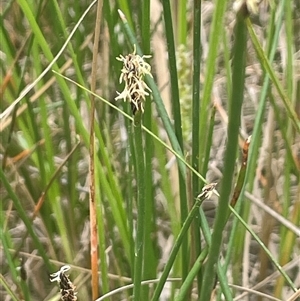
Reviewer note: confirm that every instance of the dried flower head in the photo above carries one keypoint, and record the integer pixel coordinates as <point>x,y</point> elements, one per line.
<point>67,288</point>
<point>207,191</point>
<point>132,73</point>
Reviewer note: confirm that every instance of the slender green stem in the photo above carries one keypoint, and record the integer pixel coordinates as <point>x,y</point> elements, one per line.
<point>182,22</point>
<point>140,231</point>
<point>238,78</point>
<point>215,35</point>
<point>209,141</point>
<point>222,277</point>
<point>146,26</point>
<point>173,71</point>
<point>180,238</point>
<point>196,92</point>
<point>196,121</point>
<point>237,232</point>
<point>192,274</point>
<point>177,125</point>
<point>150,265</point>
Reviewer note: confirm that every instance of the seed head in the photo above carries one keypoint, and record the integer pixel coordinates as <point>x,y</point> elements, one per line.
<point>67,288</point>
<point>132,73</point>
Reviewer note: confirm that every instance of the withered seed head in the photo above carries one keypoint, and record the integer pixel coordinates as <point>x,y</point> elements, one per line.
<point>132,73</point>
<point>67,288</point>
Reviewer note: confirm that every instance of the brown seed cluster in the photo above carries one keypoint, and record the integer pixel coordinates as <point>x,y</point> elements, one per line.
<point>132,73</point>
<point>67,288</point>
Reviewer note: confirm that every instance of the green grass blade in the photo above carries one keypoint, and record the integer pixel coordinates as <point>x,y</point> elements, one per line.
<point>192,274</point>
<point>177,125</point>
<point>140,231</point>
<point>180,238</point>
<point>197,51</point>
<point>238,77</point>
<point>215,35</point>
<point>182,22</point>
<point>150,262</point>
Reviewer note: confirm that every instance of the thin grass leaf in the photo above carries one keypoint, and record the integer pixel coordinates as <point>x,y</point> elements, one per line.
<point>8,288</point>
<point>274,261</point>
<point>180,158</point>
<point>268,69</point>
<point>215,35</point>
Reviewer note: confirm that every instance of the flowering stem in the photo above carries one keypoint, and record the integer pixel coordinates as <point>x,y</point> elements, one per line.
<point>157,99</point>
<point>206,194</point>
<point>139,242</point>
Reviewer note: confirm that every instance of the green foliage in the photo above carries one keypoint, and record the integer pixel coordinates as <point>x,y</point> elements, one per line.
<point>218,76</point>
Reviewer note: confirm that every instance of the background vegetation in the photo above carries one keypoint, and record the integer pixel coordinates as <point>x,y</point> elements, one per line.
<point>218,77</point>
